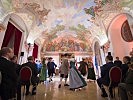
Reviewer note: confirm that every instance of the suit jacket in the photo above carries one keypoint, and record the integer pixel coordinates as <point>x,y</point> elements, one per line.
<point>124,69</point>
<point>64,66</point>
<point>51,65</point>
<point>105,72</point>
<point>129,77</point>
<point>128,84</point>
<point>82,67</point>
<point>118,63</point>
<point>9,77</point>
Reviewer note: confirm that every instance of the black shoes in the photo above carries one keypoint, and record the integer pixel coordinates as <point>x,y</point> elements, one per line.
<point>50,80</point>
<point>104,95</point>
<point>59,86</point>
<point>72,89</point>
<point>111,92</point>
<point>111,95</point>
<point>33,93</point>
<point>66,85</point>
<point>27,93</point>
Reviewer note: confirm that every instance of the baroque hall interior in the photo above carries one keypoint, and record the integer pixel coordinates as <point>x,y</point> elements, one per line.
<point>89,29</point>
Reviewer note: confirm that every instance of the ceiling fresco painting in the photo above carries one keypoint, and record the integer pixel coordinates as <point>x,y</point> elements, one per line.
<point>67,44</point>
<point>53,21</point>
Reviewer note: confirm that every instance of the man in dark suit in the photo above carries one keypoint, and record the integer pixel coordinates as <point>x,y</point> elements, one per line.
<point>117,62</point>
<point>104,80</point>
<point>124,67</point>
<point>51,68</point>
<point>34,78</point>
<point>9,76</point>
<point>127,85</point>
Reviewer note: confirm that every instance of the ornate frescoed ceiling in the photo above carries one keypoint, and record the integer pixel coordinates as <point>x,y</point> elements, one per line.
<point>56,20</point>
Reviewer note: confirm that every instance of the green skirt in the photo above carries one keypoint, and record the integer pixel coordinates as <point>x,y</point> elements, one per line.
<point>43,74</point>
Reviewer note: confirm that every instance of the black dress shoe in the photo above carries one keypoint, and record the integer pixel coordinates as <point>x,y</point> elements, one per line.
<point>111,95</point>
<point>27,93</point>
<point>66,85</point>
<point>59,86</point>
<point>72,89</point>
<point>33,93</point>
<point>104,95</point>
<point>50,80</point>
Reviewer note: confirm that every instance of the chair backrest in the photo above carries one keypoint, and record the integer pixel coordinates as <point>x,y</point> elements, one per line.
<point>115,75</point>
<point>25,74</point>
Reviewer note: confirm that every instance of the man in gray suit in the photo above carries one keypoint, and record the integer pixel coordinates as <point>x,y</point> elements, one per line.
<point>64,68</point>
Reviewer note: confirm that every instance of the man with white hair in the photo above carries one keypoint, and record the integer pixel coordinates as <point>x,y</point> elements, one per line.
<point>9,76</point>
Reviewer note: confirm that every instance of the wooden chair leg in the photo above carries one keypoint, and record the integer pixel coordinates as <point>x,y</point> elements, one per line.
<point>114,93</point>
<point>130,95</point>
<point>23,96</point>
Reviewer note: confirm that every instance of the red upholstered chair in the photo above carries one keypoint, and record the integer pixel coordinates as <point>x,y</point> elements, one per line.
<point>115,75</point>
<point>25,76</point>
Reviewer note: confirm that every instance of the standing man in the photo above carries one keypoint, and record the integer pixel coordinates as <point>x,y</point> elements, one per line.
<point>51,68</point>
<point>9,76</point>
<point>34,78</point>
<point>64,68</point>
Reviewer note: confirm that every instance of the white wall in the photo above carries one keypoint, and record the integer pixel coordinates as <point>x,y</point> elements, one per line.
<point>19,23</point>
<point>120,47</point>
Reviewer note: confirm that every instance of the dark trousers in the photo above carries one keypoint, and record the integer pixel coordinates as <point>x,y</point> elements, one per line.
<point>102,82</point>
<point>7,94</point>
<point>27,90</point>
<point>19,91</point>
<point>33,89</point>
<point>34,82</point>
